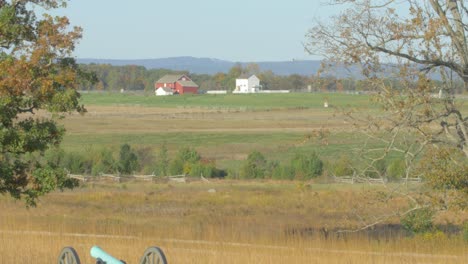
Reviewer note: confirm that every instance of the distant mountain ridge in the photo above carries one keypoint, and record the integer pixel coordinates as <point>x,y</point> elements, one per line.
<point>212,66</point>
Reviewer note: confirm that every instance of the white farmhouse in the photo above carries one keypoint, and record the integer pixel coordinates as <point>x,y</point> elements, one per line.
<point>161,91</point>
<point>246,84</point>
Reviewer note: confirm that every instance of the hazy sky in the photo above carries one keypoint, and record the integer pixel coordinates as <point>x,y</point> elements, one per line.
<point>236,30</point>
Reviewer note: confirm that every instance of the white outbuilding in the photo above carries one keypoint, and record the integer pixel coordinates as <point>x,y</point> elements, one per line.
<point>246,84</point>
<point>162,91</point>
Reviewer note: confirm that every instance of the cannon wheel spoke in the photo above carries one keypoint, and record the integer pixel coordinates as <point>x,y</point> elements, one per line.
<point>68,255</point>
<point>153,255</point>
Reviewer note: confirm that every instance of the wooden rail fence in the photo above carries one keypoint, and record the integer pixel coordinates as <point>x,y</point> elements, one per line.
<point>357,179</point>
<point>182,178</point>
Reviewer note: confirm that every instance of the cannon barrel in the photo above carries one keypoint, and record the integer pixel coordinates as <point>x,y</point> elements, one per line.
<point>98,253</point>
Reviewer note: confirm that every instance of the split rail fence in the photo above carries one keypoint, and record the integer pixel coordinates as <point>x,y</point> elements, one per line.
<point>104,177</point>
<point>360,180</point>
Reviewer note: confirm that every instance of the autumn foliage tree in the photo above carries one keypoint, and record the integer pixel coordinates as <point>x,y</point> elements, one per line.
<point>401,48</point>
<point>37,75</point>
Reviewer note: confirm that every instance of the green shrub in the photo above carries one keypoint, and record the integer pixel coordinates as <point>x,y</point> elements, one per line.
<point>188,155</point>
<point>128,160</point>
<point>378,169</point>
<point>307,167</point>
<point>445,168</point>
<point>205,170</point>
<point>419,221</point>
<point>184,160</point>
<point>276,172</point>
<point>76,163</point>
<point>54,157</point>
<point>91,162</point>
<point>176,167</point>
<point>396,170</point>
<point>285,172</point>
<point>146,159</point>
<point>162,163</point>
<point>342,166</point>
<point>103,162</point>
<point>232,174</point>
<point>254,167</point>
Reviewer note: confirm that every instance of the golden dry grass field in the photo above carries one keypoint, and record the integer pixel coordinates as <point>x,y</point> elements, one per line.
<point>242,222</point>
<point>238,222</point>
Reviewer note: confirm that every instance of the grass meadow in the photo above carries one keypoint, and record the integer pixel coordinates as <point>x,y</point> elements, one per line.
<point>241,222</point>
<point>223,128</point>
<point>241,102</point>
<point>223,221</point>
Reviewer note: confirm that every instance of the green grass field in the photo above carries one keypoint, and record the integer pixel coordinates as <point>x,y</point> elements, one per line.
<point>223,128</point>
<point>229,101</point>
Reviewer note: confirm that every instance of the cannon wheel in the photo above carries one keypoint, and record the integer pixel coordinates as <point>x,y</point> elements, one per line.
<point>153,255</point>
<point>68,255</point>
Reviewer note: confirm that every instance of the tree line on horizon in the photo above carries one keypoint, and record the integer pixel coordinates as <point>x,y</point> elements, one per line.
<point>137,78</point>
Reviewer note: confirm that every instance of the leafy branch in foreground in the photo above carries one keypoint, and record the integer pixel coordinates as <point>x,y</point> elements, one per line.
<point>37,76</point>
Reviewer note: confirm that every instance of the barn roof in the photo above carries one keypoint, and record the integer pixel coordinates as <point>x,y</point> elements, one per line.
<point>171,78</point>
<point>188,83</point>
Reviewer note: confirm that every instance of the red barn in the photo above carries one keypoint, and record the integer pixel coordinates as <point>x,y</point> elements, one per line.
<point>180,84</point>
